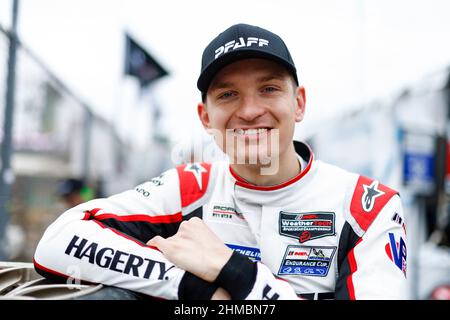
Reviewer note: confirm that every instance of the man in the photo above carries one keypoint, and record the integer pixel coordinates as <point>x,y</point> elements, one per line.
<point>272,223</point>
<point>73,192</point>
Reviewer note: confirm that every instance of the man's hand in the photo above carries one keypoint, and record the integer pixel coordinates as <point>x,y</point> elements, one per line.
<point>195,248</point>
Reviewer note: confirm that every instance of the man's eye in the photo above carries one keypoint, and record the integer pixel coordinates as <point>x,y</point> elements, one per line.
<point>226,95</point>
<point>269,89</point>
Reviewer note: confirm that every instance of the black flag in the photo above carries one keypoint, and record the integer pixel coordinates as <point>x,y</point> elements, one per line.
<point>140,64</point>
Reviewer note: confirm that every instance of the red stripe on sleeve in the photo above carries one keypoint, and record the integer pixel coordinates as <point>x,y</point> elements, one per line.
<point>56,273</point>
<point>41,267</point>
<point>353,268</point>
<point>170,218</point>
<point>88,214</point>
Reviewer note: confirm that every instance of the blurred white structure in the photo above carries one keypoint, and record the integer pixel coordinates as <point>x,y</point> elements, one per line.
<point>57,135</point>
<point>403,142</point>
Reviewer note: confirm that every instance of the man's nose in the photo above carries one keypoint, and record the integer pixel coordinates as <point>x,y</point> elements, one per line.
<point>249,109</point>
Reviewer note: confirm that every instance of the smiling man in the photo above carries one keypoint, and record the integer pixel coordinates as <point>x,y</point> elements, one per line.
<point>270,223</point>
<point>253,105</point>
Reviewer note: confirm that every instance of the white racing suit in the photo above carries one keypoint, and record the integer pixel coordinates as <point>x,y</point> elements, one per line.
<point>324,234</point>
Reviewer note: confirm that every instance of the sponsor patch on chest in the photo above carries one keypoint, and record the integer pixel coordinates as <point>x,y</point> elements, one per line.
<point>307,225</point>
<point>226,213</point>
<point>307,261</point>
<point>252,253</point>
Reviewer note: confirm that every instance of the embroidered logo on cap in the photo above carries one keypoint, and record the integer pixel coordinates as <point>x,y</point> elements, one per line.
<point>235,44</point>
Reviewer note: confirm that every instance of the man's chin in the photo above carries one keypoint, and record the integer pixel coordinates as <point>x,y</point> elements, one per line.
<point>245,157</point>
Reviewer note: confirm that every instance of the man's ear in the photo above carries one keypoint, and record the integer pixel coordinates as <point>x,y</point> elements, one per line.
<point>300,103</point>
<point>203,115</point>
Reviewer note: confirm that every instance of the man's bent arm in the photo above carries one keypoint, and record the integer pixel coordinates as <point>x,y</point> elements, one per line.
<point>103,241</point>
<point>375,266</point>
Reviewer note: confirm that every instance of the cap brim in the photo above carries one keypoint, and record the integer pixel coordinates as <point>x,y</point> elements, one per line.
<point>211,70</point>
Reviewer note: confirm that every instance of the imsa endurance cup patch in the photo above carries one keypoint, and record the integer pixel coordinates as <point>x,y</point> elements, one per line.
<point>307,261</point>
<point>306,226</point>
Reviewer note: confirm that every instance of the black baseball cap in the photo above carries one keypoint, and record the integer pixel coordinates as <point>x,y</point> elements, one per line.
<point>69,186</point>
<point>242,41</point>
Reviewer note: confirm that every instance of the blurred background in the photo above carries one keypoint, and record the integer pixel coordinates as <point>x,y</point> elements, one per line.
<point>99,96</point>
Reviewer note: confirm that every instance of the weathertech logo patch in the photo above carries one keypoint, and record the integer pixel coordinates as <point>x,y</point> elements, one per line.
<point>306,226</point>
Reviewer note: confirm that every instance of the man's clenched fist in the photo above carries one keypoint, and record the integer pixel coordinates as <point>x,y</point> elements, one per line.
<point>195,248</point>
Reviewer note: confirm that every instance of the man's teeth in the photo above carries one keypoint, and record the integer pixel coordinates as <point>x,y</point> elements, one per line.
<point>250,131</point>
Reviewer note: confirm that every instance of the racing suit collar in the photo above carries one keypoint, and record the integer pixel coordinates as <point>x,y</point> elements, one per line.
<point>302,149</point>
